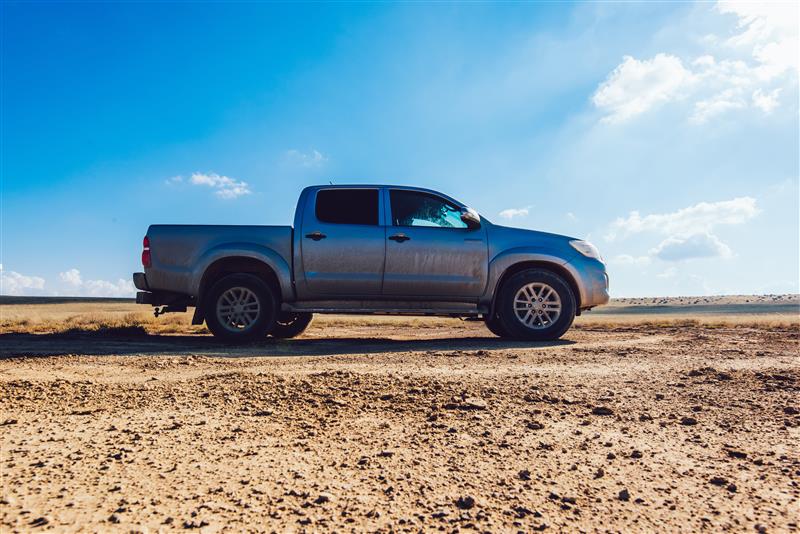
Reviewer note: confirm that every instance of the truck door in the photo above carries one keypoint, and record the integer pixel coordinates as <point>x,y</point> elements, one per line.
<point>343,243</point>
<point>430,251</point>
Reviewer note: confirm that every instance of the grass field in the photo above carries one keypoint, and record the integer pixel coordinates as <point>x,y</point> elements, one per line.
<point>53,315</point>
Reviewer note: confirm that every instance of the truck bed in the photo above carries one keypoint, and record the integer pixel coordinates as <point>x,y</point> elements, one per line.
<point>178,249</point>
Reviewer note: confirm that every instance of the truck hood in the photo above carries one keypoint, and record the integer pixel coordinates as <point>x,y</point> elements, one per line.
<point>502,238</point>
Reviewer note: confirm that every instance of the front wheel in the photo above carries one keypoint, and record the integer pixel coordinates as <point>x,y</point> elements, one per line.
<point>495,326</point>
<point>240,307</point>
<point>536,305</point>
<point>291,324</point>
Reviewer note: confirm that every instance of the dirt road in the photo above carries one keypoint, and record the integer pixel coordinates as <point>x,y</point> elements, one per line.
<point>375,428</point>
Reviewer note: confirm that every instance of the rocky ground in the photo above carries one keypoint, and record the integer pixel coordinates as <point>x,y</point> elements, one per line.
<point>399,429</point>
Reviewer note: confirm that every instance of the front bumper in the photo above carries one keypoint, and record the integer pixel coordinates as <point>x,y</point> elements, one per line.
<point>592,279</point>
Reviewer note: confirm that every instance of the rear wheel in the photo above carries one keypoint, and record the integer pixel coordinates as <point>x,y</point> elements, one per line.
<point>536,305</point>
<point>291,325</point>
<point>240,307</point>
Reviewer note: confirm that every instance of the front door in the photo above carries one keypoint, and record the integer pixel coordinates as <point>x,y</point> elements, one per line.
<point>343,244</point>
<point>430,251</point>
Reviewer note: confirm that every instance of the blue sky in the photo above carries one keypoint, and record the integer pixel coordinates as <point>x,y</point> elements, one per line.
<point>666,133</point>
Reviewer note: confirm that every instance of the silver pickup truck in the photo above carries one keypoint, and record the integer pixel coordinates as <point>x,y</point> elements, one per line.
<point>371,249</point>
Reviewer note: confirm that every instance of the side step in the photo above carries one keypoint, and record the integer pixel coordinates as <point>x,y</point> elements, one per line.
<point>451,309</point>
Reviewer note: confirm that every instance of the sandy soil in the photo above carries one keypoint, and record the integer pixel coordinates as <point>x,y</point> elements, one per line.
<point>387,427</point>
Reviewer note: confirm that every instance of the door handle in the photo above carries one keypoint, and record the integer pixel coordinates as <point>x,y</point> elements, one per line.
<point>316,236</point>
<point>399,237</point>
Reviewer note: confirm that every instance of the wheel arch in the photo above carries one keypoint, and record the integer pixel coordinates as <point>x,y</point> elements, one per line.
<point>556,268</point>
<point>232,264</point>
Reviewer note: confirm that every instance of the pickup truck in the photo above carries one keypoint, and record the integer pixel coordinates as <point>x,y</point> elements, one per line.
<point>371,249</point>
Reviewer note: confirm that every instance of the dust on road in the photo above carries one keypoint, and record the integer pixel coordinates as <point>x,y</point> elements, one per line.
<point>365,428</point>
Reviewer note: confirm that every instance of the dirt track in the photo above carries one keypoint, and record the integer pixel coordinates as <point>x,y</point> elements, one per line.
<point>366,428</point>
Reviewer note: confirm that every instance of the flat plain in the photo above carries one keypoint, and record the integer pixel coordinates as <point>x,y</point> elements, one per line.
<point>649,415</point>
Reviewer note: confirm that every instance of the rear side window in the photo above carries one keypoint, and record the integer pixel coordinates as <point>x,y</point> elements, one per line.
<point>347,206</point>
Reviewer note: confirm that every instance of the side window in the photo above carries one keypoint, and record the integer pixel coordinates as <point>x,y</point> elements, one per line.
<point>347,206</point>
<point>412,208</point>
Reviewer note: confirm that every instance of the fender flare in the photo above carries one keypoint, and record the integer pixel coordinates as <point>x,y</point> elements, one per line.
<point>265,255</point>
<point>500,264</point>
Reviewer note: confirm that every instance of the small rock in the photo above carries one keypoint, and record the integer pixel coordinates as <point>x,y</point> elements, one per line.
<point>659,396</point>
<point>114,518</point>
<point>688,421</point>
<point>323,498</point>
<point>386,454</point>
<point>624,495</point>
<point>732,488</point>
<point>602,410</point>
<point>611,456</point>
<point>599,473</point>
<point>39,522</point>
<point>474,403</point>
<point>718,481</point>
<point>535,425</point>
<point>465,502</point>
<point>737,454</point>
<point>524,475</point>
<point>789,410</point>
<point>636,454</point>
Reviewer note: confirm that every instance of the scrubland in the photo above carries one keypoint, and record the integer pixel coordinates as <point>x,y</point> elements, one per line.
<point>674,417</point>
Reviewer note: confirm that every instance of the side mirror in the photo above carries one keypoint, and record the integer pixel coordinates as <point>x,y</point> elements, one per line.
<point>471,218</point>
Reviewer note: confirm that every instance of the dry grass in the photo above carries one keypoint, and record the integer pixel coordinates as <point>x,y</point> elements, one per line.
<point>762,321</point>
<point>126,318</point>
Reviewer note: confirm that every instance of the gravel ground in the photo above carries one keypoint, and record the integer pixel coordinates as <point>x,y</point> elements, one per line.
<point>382,429</point>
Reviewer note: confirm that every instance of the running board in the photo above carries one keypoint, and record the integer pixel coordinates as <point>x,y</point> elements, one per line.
<point>454,309</point>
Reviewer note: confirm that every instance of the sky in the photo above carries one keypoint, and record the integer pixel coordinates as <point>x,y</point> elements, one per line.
<point>665,133</point>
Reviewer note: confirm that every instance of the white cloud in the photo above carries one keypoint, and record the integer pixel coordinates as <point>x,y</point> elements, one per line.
<point>700,245</point>
<point>716,105</point>
<point>627,259</point>
<point>78,287</point>
<point>14,283</point>
<point>766,102</point>
<point>174,180</point>
<point>636,86</point>
<point>510,213</point>
<point>688,231</point>
<point>71,277</point>
<point>314,158</point>
<point>225,187</point>
<point>766,33</point>
<point>702,217</point>
<point>571,216</point>
<point>769,30</point>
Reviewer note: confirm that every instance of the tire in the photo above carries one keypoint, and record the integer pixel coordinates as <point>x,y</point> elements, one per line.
<point>536,305</point>
<point>255,317</point>
<point>496,327</point>
<point>291,325</point>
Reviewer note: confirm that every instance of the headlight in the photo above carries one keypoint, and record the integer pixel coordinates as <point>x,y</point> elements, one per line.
<point>587,249</point>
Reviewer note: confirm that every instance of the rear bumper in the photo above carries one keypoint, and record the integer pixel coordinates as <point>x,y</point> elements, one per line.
<point>157,297</point>
<point>140,281</point>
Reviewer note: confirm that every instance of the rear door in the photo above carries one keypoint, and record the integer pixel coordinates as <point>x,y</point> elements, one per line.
<point>343,243</point>
<point>430,251</point>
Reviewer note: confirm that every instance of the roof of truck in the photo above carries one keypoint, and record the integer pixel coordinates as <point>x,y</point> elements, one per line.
<point>385,186</point>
